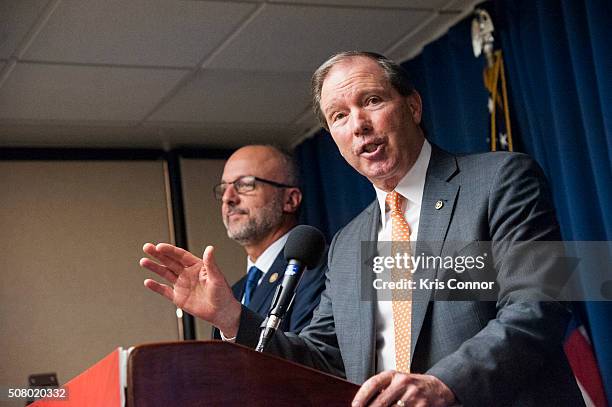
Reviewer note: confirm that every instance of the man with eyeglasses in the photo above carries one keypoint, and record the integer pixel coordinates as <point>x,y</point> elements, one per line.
<point>260,201</point>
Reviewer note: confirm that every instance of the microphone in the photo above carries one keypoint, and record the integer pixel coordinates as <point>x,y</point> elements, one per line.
<point>304,249</point>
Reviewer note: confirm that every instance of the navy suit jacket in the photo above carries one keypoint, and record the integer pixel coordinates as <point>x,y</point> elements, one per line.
<point>306,299</point>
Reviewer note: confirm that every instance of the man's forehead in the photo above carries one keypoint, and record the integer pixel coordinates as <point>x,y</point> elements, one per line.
<point>353,65</point>
<point>260,162</point>
<point>351,76</point>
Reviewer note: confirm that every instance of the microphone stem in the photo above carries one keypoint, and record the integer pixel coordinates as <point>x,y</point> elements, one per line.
<point>272,325</point>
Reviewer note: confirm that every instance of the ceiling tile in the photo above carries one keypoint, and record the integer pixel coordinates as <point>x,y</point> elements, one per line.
<point>239,97</point>
<point>109,135</point>
<point>412,45</point>
<point>136,32</point>
<point>407,4</point>
<point>308,120</point>
<point>242,95</point>
<point>57,92</point>
<point>232,136</point>
<point>465,6</point>
<point>299,38</point>
<point>16,18</point>
<point>51,134</point>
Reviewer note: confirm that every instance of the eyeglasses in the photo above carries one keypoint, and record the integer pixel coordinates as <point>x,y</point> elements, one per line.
<point>245,184</point>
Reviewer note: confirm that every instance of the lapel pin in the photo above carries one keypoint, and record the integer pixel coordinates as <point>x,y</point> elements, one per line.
<point>439,205</point>
<point>273,277</point>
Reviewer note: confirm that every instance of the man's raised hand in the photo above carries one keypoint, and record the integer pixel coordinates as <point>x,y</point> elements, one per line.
<point>196,285</point>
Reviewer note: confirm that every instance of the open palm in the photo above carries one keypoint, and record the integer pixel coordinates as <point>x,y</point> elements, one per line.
<point>196,284</point>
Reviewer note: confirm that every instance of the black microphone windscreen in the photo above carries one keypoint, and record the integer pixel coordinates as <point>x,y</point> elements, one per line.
<point>306,244</point>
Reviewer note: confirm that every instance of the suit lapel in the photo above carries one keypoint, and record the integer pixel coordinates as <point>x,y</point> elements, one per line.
<point>433,226</point>
<point>262,297</point>
<point>367,295</point>
<point>238,288</point>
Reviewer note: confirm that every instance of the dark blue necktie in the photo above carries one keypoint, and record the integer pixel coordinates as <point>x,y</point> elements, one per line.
<point>252,278</point>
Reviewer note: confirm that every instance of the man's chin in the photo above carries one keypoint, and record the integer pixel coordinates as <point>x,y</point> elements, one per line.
<point>377,171</point>
<point>238,235</point>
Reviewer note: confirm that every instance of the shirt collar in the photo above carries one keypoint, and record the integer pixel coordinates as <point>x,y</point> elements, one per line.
<point>411,185</point>
<point>265,260</point>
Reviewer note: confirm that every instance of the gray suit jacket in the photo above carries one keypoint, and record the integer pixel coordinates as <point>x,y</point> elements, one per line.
<point>507,352</point>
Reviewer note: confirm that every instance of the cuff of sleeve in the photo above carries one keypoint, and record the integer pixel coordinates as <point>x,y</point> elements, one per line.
<point>453,382</point>
<point>226,339</point>
<point>249,328</point>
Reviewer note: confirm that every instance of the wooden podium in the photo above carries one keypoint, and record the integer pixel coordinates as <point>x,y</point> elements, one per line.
<point>209,373</point>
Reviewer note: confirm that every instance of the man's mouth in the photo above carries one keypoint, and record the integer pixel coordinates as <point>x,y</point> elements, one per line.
<point>370,148</point>
<point>235,212</point>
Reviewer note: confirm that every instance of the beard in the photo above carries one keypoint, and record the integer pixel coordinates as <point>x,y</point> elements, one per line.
<point>260,223</point>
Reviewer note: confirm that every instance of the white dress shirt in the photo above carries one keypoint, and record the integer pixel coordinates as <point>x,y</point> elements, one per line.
<point>266,259</point>
<point>410,187</point>
<point>264,262</point>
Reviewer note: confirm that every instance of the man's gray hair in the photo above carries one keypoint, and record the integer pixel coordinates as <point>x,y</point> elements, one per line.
<point>292,171</point>
<point>288,161</point>
<point>397,76</point>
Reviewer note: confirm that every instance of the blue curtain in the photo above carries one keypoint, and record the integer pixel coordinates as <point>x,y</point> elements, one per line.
<point>334,193</point>
<point>559,64</point>
<point>558,70</point>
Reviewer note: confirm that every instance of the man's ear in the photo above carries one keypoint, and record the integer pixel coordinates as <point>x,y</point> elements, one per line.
<point>415,105</point>
<point>293,199</point>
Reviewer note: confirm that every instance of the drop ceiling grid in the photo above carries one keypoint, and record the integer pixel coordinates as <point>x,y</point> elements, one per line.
<point>298,38</point>
<point>77,93</point>
<point>279,39</point>
<point>16,19</point>
<point>136,62</point>
<point>234,96</point>
<point>135,32</point>
<point>220,135</point>
<point>396,4</point>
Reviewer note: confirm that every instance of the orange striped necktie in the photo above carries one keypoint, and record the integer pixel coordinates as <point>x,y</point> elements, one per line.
<point>402,299</point>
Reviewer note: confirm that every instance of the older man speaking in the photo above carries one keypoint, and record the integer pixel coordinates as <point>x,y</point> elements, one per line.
<point>412,351</point>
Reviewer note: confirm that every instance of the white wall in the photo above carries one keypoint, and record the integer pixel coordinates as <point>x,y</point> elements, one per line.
<point>204,224</point>
<point>71,290</point>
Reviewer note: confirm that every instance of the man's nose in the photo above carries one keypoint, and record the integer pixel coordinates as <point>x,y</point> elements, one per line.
<point>230,195</point>
<point>360,122</point>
